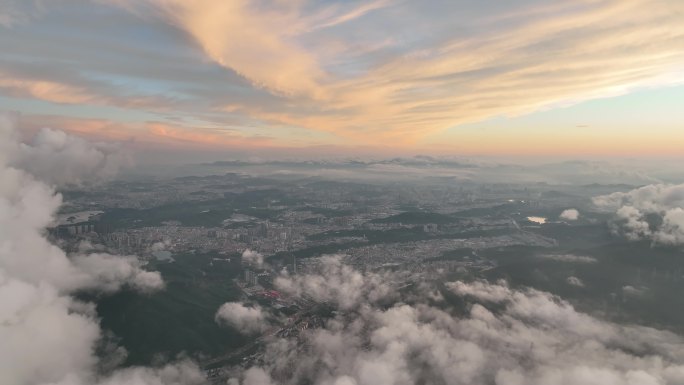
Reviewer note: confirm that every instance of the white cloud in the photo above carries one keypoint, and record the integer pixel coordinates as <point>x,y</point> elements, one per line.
<point>631,291</point>
<point>570,215</point>
<point>48,336</point>
<point>574,281</point>
<point>337,283</point>
<point>480,290</point>
<point>526,337</point>
<point>245,319</point>
<point>181,373</point>
<point>257,376</point>
<point>58,158</point>
<point>252,258</point>
<point>160,246</point>
<point>43,340</point>
<point>654,212</point>
<point>108,273</point>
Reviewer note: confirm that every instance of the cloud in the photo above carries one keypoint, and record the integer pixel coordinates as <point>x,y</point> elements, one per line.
<point>256,376</point>
<point>326,67</point>
<point>204,136</point>
<point>569,215</point>
<point>571,258</point>
<point>258,45</point>
<point>15,12</point>
<point>160,246</point>
<point>440,78</point>
<point>505,337</point>
<point>59,158</point>
<point>49,336</point>
<point>338,284</point>
<point>481,290</point>
<point>252,257</point>
<point>574,281</point>
<point>48,90</point>
<point>119,139</point>
<point>108,273</point>
<point>653,212</point>
<point>635,292</point>
<point>181,373</point>
<point>245,319</point>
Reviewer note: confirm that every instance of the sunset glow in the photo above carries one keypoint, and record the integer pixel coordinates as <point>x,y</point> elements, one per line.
<point>448,78</point>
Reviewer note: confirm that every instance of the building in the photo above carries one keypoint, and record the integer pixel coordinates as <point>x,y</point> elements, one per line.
<point>251,278</point>
<point>77,228</point>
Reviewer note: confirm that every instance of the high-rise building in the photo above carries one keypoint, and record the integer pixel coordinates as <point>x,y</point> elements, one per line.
<point>263,229</point>
<point>249,277</point>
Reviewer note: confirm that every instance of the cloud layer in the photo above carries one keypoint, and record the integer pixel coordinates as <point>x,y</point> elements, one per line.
<point>57,158</point>
<point>335,72</point>
<point>570,215</point>
<point>252,258</point>
<point>48,336</point>
<point>338,284</point>
<point>504,337</point>
<point>245,319</point>
<point>447,81</point>
<point>654,212</point>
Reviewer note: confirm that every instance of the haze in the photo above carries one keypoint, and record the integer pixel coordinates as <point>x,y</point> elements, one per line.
<point>328,192</point>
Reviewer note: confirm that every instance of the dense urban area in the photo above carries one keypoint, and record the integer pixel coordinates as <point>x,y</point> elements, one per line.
<point>229,236</point>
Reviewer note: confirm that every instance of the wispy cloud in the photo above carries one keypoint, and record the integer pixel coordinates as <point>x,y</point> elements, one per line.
<point>385,72</point>
<point>579,51</point>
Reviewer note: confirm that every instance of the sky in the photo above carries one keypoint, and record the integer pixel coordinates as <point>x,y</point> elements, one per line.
<point>580,78</point>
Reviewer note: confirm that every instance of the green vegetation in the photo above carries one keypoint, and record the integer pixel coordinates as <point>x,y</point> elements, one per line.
<point>376,236</point>
<point>498,210</point>
<point>406,234</point>
<point>330,213</point>
<point>315,251</point>
<point>179,318</point>
<point>418,218</point>
<point>209,213</point>
<point>453,255</point>
<point>260,213</point>
<point>657,274</point>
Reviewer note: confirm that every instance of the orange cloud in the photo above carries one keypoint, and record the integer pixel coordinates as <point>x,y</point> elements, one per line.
<point>496,141</point>
<point>162,132</point>
<point>46,90</point>
<point>250,41</point>
<point>146,133</point>
<point>562,54</point>
<point>407,82</point>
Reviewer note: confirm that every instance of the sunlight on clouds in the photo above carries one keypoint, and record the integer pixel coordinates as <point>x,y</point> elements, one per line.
<point>568,53</point>
<point>250,41</point>
<point>377,73</point>
<point>46,90</point>
<point>206,137</point>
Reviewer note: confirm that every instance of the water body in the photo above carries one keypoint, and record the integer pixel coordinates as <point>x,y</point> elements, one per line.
<point>163,255</point>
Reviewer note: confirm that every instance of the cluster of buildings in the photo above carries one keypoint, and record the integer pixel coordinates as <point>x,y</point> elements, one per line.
<point>307,216</point>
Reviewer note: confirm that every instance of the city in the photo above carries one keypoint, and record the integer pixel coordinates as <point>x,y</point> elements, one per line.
<point>341,192</point>
<point>245,233</point>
